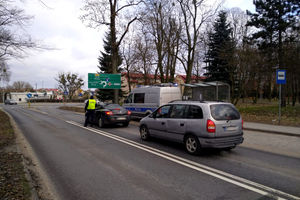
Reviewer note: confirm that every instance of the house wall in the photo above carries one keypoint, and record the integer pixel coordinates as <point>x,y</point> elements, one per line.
<point>21,97</point>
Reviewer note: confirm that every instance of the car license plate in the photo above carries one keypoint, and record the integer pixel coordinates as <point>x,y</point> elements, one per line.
<point>231,128</point>
<point>121,118</point>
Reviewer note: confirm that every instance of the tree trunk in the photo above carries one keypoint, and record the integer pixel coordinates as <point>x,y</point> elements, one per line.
<point>128,80</point>
<point>114,47</point>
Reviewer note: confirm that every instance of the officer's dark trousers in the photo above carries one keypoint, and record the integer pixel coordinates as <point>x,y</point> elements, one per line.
<point>89,117</point>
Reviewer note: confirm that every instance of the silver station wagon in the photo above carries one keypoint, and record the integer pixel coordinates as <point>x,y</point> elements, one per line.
<point>195,123</point>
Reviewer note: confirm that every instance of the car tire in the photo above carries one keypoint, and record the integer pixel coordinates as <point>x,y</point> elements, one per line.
<point>192,145</point>
<point>144,133</point>
<point>101,123</point>
<point>125,124</point>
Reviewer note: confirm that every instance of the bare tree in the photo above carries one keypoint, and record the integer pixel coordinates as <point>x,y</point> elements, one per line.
<point>243,57</point>
<point>108,13</point>
<point>172,43</point>
<point>130,57</point>
<point>144,53</point>
<point>195,13</point>
<point>4,77</point>
<point>4,72</point>
<point>21,86</point>
<point>161,22</point>
<point>13,43</point>
<point>238,20</point>
<point>69,82</point>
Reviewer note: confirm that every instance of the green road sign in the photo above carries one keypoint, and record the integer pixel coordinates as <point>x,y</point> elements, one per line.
<point>104,81</point>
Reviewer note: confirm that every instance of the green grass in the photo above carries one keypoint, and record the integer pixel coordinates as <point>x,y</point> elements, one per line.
<point>13,183</point>
<point>6,131</point>
<point>268,113</point>
<point>74,109</point>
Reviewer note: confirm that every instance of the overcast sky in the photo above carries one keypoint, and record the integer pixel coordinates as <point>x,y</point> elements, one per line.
<point>77,47</point>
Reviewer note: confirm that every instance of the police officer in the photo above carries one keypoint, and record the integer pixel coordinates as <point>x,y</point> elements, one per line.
<point>89,111</point>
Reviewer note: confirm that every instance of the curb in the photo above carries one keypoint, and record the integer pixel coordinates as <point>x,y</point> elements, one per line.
<point>272,132</point>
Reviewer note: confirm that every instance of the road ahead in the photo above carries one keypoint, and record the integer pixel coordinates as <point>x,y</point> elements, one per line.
<point>113,163</point>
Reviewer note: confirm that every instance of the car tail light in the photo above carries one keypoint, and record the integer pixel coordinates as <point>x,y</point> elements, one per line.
<point>242,124</point>
<point>108,113</point>
<point>210,126</point>
<point>128,112</point>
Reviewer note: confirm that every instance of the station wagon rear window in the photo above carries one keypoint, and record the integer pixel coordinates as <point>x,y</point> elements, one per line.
<point>224,112</point>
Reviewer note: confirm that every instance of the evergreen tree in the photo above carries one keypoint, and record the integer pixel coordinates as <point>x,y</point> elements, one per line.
<point>273,19</point>
<point>220,51</point>
<point>105,66</point>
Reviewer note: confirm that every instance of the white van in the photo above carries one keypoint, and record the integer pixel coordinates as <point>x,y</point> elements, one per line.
<point>142,101</point>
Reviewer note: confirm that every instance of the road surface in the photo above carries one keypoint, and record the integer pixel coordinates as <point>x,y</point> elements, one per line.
<point>113,163</point>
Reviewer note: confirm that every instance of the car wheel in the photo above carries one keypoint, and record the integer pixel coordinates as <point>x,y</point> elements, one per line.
<point>125,124</point>
<point>101,122</point>
<point>192,145</point>
<point>144,133</point>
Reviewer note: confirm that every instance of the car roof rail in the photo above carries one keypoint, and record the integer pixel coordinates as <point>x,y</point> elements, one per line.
<point>175,100</point>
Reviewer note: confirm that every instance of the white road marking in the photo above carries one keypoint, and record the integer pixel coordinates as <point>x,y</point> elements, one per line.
<point>241,182</point>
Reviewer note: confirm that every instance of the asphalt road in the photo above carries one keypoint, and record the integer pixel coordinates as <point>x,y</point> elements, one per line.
<point>113,163</point>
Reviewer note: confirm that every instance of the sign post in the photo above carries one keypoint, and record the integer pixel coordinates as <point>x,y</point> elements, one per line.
<point>280,79</point>
<point>104,81</point>
<point>29,95</point>
<point>65,96</point>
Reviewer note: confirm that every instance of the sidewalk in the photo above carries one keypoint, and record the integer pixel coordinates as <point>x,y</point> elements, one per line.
<point>275,129</point>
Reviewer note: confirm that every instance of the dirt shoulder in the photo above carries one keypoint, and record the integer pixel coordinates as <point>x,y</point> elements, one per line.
<point>21,175</point>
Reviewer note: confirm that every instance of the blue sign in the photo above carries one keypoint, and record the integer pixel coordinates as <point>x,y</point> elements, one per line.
<point>65,92</point>
<point>29,95</point>
<point>281,76</point>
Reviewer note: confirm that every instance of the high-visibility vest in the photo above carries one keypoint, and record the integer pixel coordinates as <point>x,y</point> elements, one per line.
<point>92,104</point>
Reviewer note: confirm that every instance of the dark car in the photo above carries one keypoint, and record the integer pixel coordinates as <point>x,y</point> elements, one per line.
<point>111,114</point>
<point>10,102</point>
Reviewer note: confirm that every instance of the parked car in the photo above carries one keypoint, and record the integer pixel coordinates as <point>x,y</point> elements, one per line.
<point>111,114</point>
<point>10,102</point>
<point>142,101</point>
<point>196,124</point>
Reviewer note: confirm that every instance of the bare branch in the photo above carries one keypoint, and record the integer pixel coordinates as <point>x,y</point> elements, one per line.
<point>128,5</point>
<point>125,32</point>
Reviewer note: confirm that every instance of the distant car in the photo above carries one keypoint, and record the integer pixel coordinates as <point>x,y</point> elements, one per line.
<point>196,124</point>
<point>111,114</point>
<point>10,102</point>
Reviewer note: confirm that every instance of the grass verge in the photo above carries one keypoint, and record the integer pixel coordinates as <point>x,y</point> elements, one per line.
<point>290,115</point>
<point>13,182</point>
<point>74,109</point>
